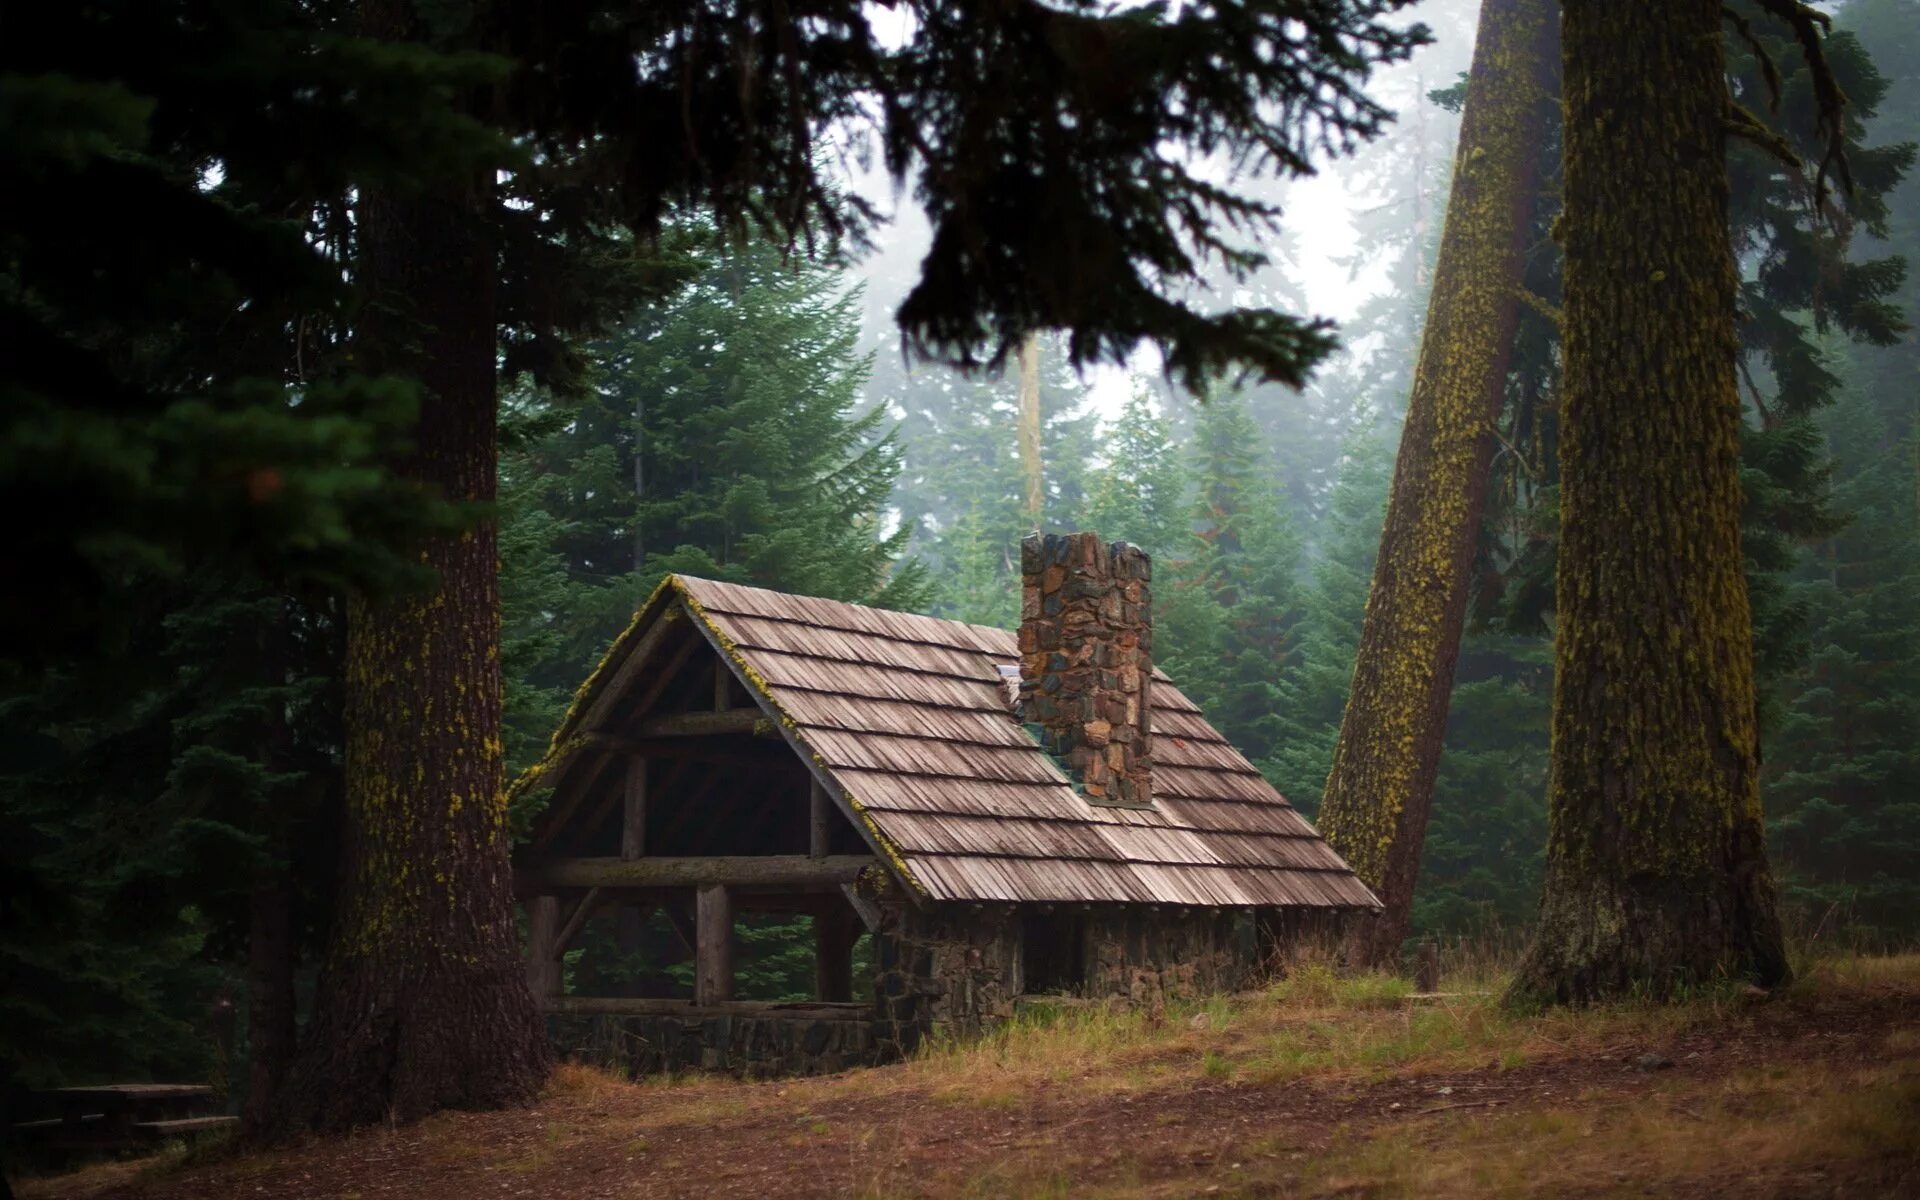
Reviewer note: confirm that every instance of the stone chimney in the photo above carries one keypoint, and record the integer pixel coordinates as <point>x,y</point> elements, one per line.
<point>1086,660</point>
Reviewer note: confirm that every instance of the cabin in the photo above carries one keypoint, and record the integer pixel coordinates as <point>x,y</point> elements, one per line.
<point>977,817</point>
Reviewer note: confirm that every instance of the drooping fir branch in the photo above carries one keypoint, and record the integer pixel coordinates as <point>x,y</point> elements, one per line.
<point>1810,26</point>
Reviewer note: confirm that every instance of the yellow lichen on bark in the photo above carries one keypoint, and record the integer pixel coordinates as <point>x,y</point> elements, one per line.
<point>1656,867</point>
<point>1375,805</point>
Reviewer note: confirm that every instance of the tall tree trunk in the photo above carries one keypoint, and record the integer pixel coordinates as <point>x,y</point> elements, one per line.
<point>639,482</point>
<point>1656,874</point>
<point>270,1002</point>
<point>1380,789</point>
<point>423,1003</point>
<point>270,955</point>
<point>1029,427</point>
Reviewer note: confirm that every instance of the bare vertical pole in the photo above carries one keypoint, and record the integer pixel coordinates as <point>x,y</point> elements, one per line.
<point>713,945</point>
<point>722,686</point>
<point>1029,427</point>
<point>633,821</point>
<point>543,940</point>
<point>820,837</point>
<point>833,937</point>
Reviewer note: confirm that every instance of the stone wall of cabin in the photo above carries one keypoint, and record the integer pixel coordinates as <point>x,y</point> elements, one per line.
<point>963,972</point>
<point>937,973</point>
<point>758,1046</point>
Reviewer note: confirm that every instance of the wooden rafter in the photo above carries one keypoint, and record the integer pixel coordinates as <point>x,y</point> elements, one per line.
<point>755,870</point>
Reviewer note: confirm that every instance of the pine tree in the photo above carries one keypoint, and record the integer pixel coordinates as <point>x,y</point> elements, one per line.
<point>1656,874</point>
<point>1378,796</point>
<point>1313,694</point>
<point>1139,492</point>
<point>1246,560</point>
<point>1842,776</point>
<point>423,961</point>
<point>735,407</point>
<point>962,488</point>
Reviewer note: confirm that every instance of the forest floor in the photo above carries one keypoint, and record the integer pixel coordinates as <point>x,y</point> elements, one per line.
<point>1317,1088</point>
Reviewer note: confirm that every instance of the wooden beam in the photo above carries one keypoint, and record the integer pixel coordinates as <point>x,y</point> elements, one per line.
<point>820,824</point>
<point>713,950</point>
<point>727,748</point>
<point>633,819</point>
<point>833,937</point>
<point>641,1006</point>
<point>706,724</point>
<point>543,954</point>
<point>820,774</point>
<point>868,911</point>
<point>722,685</point>
<point>582,910</point>
<point>669,619</point>
<point>765,870</point>
<point>669,671</point>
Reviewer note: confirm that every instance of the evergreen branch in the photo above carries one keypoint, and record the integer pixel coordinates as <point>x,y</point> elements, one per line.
<point>1539,304</point>
<point>1768,70</point>
<point>1741,123</point>
<point>1809,25</point>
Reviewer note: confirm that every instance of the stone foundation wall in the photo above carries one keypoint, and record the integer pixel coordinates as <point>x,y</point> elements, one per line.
<point>1149,958</point>
<point>938,973</point>
<point>757,1046</point>
<point>961,973</point>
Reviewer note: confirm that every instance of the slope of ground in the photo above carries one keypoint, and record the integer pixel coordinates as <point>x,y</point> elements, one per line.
<point>1318,1088</point>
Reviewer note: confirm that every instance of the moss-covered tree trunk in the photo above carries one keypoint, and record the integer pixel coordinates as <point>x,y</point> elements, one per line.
<point>1656,868</point>
<point>1380,790</point>
<point>423,1003</point>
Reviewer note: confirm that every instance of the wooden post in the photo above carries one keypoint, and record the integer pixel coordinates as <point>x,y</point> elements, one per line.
<point>713,951</point>
<point>722,685</point>
<point>1426,973</point>
<point>633,824</point>
<point>543,938</point>
<point>821,825</point>
<point>833,937</point>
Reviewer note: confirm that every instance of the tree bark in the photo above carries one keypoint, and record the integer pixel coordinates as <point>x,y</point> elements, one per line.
<point>1657,876</point>
<point>270,1000</point>
<point>1380,789</point>
<point>423,1002</point>
<point>271,1014</point>
<point>1029,428</point>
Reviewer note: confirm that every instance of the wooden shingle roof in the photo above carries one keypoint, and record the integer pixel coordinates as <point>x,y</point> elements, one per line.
<point>906,720</point>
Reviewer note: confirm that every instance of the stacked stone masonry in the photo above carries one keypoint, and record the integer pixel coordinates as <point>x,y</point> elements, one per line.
<point>940,974</point>
<point>759,1046</point>
<point>1086,660</point>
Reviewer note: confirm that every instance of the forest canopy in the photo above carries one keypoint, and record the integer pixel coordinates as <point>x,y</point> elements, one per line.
<point>365,360</point>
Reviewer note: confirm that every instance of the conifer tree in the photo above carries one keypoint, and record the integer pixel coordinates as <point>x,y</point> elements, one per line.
<point>1842,775</point>
<point>963,488</point>
<point>736,407</point>
<point>1378,796</point>
<point>1139,493</point>
<point>1656,874</point>
<point>1313,695</point>
<point>1246,561</point>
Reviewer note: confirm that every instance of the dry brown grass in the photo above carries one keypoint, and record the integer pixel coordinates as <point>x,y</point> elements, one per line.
<point>1322,1085</point>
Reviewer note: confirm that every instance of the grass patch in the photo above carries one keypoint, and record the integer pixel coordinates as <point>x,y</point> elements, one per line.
<point>1749,1127</point>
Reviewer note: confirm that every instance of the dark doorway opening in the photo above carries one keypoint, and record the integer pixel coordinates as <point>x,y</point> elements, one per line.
<point>1052,952</point>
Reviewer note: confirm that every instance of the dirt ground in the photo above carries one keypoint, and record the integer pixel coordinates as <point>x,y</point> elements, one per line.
<point>1814,1093</point>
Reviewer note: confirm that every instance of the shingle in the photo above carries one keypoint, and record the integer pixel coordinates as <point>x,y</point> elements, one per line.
<point>909,716</point>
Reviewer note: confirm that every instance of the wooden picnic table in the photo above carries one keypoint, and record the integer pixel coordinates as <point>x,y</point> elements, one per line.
<point>119,1115</point>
